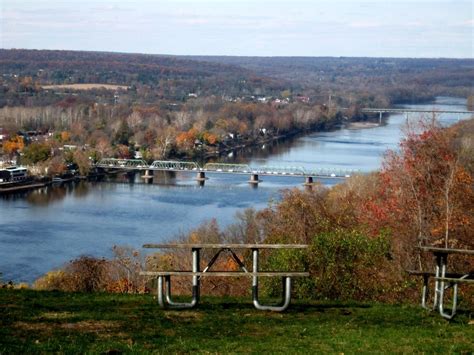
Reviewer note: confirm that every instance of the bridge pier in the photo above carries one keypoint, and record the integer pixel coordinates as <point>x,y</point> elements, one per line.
<point>201,178</point>
<point>254,180</point>
<point>148,177</point>
<point>309,182</point>
<point>380,117</point>
<point>130,176</point>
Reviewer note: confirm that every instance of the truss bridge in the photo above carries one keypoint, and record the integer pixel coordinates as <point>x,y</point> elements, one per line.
<point>112,164</point>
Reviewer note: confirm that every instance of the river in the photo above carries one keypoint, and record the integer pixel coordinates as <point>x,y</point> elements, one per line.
<point>44,229</point>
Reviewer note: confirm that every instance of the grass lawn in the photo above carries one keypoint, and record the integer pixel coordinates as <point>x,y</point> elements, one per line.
<point>34,321</point>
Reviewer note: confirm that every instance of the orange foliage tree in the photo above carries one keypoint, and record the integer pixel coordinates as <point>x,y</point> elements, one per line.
<point>209,138</point>
<point>65,136</point>
<point>13,145</point>
<point>185,140</point>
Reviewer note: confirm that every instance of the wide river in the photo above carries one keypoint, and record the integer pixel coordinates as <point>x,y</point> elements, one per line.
<point>43,230</point>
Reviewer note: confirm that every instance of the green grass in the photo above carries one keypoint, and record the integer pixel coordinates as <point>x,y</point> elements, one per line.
<point>34,321</point>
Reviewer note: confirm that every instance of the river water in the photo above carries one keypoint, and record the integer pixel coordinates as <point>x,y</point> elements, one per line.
<point>44,229</point>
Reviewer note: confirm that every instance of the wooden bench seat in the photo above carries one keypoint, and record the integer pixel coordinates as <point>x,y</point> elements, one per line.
<point>432,273</point>
<point>224,246</point>
<point>454,280</point>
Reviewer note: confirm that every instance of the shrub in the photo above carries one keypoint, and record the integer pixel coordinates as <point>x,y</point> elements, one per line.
<point>342,265</point>
<point>52,280</point>
<point>89,274</point>
<point>124,271</point>
<point>85,274</point>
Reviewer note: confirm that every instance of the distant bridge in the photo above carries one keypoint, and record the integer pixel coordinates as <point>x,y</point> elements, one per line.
<point>221,168</point>
<point>408,110</point>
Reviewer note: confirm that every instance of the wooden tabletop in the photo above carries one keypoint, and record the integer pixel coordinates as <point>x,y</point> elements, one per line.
<point>227,273</point>
<point>225,246</point>
<point>436,250</point>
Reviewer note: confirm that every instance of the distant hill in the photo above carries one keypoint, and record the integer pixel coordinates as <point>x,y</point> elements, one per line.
<point>310,72</point>
<point>73,67</point>
<point>363,81</point>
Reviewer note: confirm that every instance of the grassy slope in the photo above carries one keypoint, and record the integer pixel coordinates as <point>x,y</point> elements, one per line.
<point>32,321</point>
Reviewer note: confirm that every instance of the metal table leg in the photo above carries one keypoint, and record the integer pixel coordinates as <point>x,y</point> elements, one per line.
<point>424,292</point>
<point>195,288</point>
<point>442,262</point>
<point>160,292</point>
<point>286,289</point>
<point>438,269</point>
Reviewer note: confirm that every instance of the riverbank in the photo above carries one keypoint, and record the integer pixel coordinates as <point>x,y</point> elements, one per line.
<point>259,140</point>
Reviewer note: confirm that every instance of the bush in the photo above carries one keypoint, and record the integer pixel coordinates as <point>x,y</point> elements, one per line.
<point>342,264</point>
<point>85,274</point>
<point>89,274</point>
<point>52,280</point>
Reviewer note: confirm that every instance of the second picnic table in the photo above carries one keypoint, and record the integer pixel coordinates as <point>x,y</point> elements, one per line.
<point>164,277</point>
<point>443,278</point>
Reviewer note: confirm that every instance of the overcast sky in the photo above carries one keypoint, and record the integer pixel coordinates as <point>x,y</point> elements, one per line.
<point>382,28</point>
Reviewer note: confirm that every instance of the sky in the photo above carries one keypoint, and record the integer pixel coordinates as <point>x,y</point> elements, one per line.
<point>370,28</point>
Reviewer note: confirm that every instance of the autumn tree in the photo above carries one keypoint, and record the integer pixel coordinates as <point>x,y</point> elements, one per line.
<point>36,152</point>
<point>185,140</point>
<point>65,136</point>
<point>123,152</point>
<point>13,145</point>
<point>424,194</point>
<point>209,138</point>
<point>165,139</point>
<point>82,161</point>
<point>56,166</point>
<point>123,134</point>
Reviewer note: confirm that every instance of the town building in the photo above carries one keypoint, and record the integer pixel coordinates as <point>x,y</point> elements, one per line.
<point>13,174</point>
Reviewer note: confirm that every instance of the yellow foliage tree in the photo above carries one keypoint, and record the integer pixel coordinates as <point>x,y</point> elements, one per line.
<point>13,145</point>
<point>209,138</point>
<point>65,136</point>
<point>186,140</point>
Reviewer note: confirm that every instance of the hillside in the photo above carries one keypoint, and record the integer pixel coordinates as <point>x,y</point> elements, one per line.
<point>175,77</point>
<point>396,76</point>
<point>345,80</point>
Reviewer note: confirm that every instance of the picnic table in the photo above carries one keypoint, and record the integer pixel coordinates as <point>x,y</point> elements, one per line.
<point>443,279</point>
<point>164,277</point>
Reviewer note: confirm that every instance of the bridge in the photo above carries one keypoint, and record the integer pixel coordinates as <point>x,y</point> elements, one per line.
<point>406,111</point>
<point>220,168</point>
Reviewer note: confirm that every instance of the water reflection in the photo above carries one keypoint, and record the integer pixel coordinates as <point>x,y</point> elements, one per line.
<point>50,194</point>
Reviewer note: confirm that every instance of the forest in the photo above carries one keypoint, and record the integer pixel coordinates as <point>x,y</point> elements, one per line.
<point>361,81</point>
